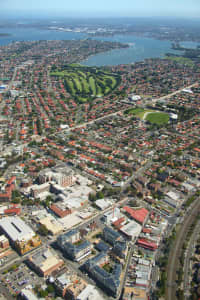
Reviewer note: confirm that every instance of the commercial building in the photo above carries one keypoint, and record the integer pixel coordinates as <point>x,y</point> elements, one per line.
<point>110,235</point>
<point>103,203</point>
<point>62,176</point>
<point>140,215</point>
<point>145,243</point>
<point>10,210</point>
<point>62,282</point>
<point>72,237</point>
<point>51,225</point>
<point>40,191</point>
<point>75,289</point>
<point>16,229</point>
<point>28,295</point>
<point>70,221</point>
<point>72,246</point>
<point>21,236</point>
<point>89,293</point>
<point>60,209</point>
<point>77,251</point>
<point>44,262</point>
<point>109,281</point>
<point>131,230</point>
<point>111,216</point>
<point>4,242</point>
<point>101,246</point>
<point>120,248</point>
<point>132,293</point>
<point>69,285</point>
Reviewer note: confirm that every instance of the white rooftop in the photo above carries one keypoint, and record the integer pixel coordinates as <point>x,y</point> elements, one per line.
<point>16,229</point>
<point>64,279</point>
<point>103,203</point>
<point>173,195</point>
<point>29,294</point>
<point>70,221</point>
<point>89,293</point>
<point>132,229</point>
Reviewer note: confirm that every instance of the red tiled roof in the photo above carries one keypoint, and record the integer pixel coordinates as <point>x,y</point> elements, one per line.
<point>13,210</point>
<point>146,230</point>
<point>137,214</point>
<point>146,244</point>
<point>59,212</point>
<point>119,221</point>
<point>11,180</point>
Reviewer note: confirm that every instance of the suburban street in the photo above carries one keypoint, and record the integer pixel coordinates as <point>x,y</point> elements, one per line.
<point>121,111</point>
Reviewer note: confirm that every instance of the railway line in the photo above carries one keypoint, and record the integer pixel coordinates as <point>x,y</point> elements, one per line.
<point>173,261</point>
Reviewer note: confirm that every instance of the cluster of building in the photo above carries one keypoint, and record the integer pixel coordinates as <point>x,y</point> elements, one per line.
<point>158,169</point>
<point>20,235</point>
<point>152,77</point>
<point>44,262</point>
<point>74,246</point>
<point>6,189</point>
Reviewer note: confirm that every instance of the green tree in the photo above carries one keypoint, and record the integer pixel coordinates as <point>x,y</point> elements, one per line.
<point>43,230</point>
<point>99,195</point>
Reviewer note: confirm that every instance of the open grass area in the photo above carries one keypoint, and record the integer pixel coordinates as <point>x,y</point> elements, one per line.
<point>136,111</point>
<point>159,118</point>
<point>85,83</point>
<point>139,112</point>
<point>154,117</point>
<point>108,268</point>
<point>78,243</point>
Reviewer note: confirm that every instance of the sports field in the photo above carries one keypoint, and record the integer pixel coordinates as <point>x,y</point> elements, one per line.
<point>154,117</point>
<point>158,118</point>
<point>85,83</point>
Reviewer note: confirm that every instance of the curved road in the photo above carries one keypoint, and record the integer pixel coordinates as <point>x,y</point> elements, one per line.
<point>173,261</point>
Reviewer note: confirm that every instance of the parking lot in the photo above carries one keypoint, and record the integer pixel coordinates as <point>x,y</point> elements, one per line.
<point>19,278</point>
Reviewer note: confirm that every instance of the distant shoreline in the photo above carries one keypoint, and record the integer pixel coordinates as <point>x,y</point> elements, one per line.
<point>4,34</point>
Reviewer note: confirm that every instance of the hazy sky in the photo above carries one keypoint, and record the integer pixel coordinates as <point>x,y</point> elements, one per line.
<point>179,8</point>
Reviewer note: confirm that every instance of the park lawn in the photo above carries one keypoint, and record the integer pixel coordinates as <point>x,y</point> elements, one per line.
<point>159,118</point>
<point>135,111</point>
<point>139,112</point>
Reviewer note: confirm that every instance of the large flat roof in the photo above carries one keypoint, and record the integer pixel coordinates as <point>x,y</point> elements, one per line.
<point>16,229</point>
<point>29,294</point>
<point>132,229</point>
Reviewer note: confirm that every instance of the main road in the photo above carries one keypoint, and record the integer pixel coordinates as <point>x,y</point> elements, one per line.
<point>121,111</point>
